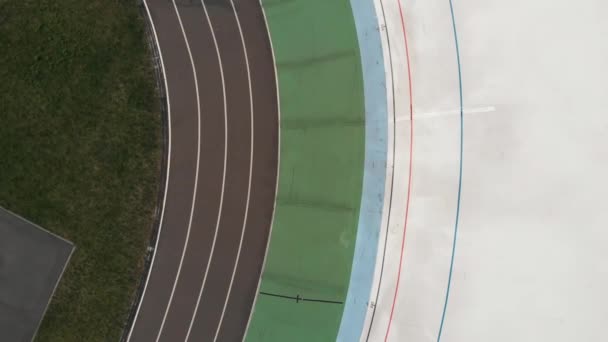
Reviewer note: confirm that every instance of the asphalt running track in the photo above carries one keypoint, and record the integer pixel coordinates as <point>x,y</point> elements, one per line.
<point>222,171</point>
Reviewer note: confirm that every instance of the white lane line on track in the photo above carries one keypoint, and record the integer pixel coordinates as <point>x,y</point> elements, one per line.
<point>276,187</point>
<point>162,213</point>
<point>243,229</point>
<point>381,254</point>
<point>219,58</point>
<point>451,112</point>
<point>198,156</point>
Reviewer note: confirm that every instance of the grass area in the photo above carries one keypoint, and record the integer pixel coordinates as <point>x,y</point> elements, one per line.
<point>80,149</point>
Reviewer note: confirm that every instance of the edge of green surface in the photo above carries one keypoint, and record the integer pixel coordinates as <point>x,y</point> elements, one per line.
<point>320,173</point>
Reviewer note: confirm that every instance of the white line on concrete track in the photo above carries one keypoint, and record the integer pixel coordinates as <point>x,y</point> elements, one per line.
<point>198,156</point>
<point>162,213</point>
<point>217,225</point>
<point>429,115</point>
<point>238,254</point>
<point>390,177</point>
<point>276,189</point>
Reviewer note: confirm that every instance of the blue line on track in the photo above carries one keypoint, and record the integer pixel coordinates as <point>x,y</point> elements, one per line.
<point>374,176</point>
<point>447,293</point>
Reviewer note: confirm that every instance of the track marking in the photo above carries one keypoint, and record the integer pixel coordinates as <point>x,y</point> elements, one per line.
<point>238,254</point>
<point>217,225</point>
<point>162,213</point>
<point>409,185</point>
<point>276,189</point>
<point>430,115</point>
<point>447,292</point>
<point>392,180</point>
<point>198,156</point>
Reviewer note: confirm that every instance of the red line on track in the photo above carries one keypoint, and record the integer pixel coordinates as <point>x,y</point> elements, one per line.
<point>409,184</point>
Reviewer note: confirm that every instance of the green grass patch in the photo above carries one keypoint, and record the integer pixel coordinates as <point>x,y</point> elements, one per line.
<point>80,149</point>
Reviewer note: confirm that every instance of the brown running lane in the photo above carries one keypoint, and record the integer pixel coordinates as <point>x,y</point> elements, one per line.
<point>211,170</point>
<point>181,175</point>
<point>263,181</point>
<point>182,98</point>
<point>265,164</point>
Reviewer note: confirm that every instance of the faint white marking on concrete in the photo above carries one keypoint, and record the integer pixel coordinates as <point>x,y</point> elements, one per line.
<point>430,115</point>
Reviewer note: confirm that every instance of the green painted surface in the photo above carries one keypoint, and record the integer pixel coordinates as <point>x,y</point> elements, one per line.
<point>321,170</point>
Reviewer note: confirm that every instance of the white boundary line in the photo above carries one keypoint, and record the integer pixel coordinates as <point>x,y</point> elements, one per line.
<point>162,213</point>
<point>452,112</point>
<point>198,156</point>
<point>390,176</point>
<point>238,254</point>
<point>276,190</point>
<point>219,58</point>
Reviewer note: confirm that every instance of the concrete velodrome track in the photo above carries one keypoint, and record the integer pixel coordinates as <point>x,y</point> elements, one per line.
<point>497,228</point>
<point>222,170</point>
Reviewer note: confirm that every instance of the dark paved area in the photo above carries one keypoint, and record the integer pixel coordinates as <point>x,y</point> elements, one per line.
<point>32,261</point>
<point>265,167</point>
<point>226,126</point>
